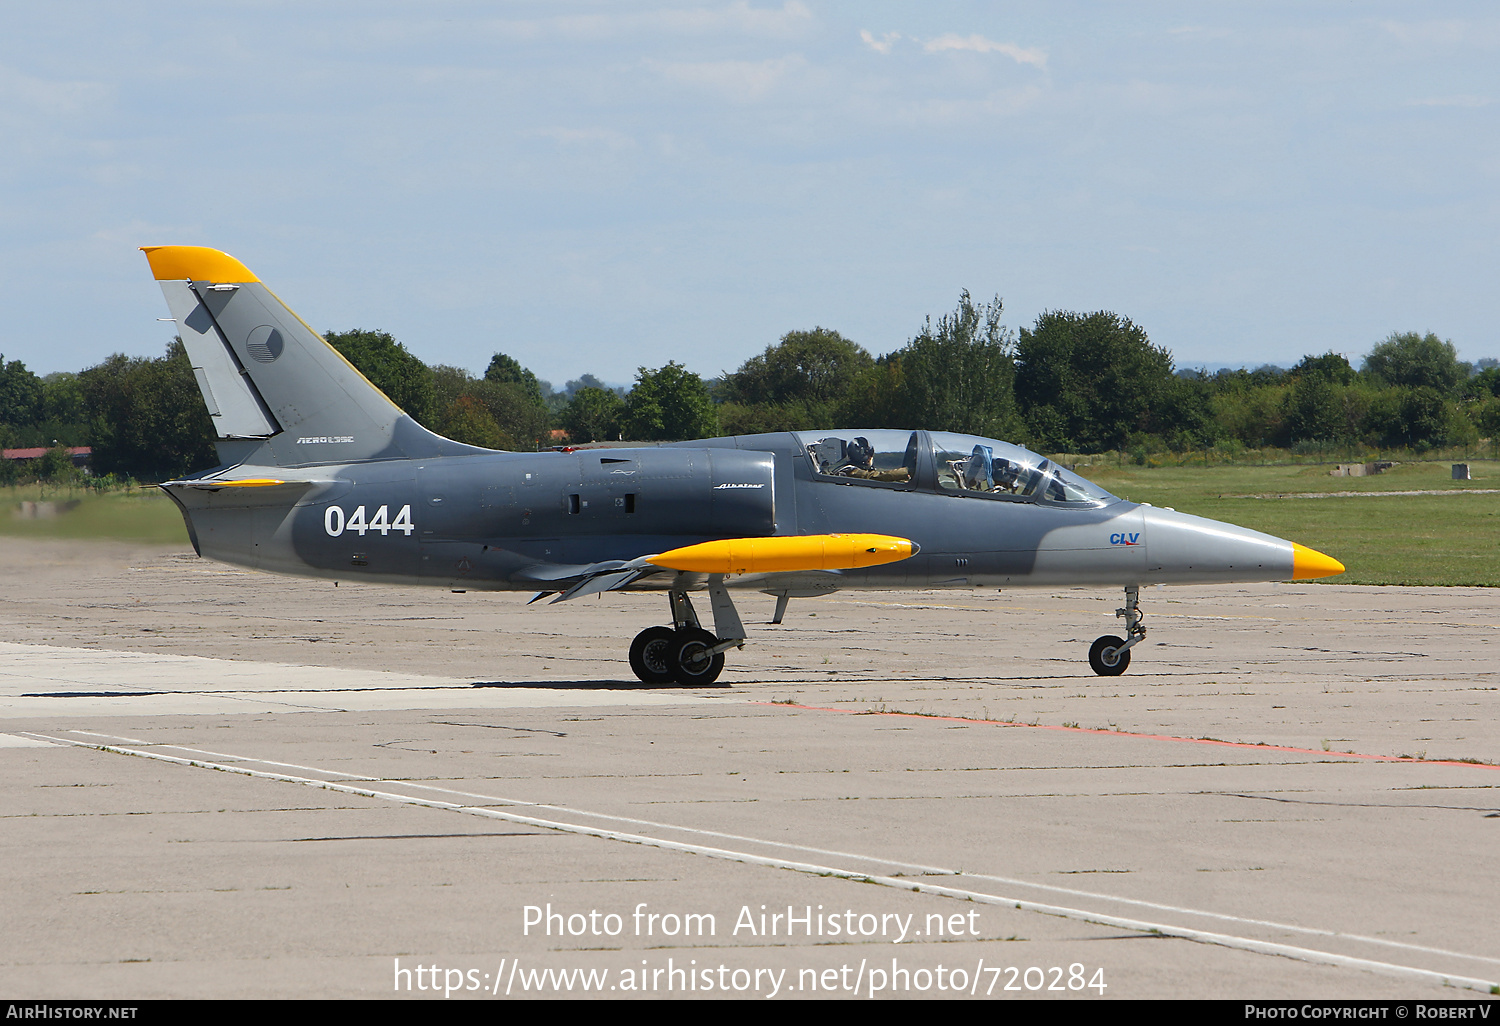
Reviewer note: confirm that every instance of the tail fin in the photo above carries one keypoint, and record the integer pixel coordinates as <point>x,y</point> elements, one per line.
<point>277,393</point>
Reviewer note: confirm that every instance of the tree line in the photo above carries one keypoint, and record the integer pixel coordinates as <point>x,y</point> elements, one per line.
<point>1070,383</point>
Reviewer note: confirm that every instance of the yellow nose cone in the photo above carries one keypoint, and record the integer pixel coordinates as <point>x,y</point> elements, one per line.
<point>1309,564</point>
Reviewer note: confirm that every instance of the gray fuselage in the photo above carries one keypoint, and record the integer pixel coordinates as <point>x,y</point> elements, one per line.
<point>526,521</point>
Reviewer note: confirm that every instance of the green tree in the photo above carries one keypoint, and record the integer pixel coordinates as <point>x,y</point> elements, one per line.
<point>147,417</point>
<point>1417,361</point>
<point>584,381</point>
<point>515,410</point>
<point>593,414</point>
<point>877,397</point>
<point>955,375</point>
<point>62,399</point>
<point>1330,367</point>
<point>512,418</point>
<point>1254,414</point>
<point>796,384</point>
<point>1415,418</point>
<point>1483,385</point>
<point>1313,412</point>
<point>467,420</point>
<point>805,366</point>
<point>507,370</point>
<point>669,404</point>
<point>1086,382</point>
<point>21,394</point>
<point>1185,416</point>
<point>405,379</point>
<point>56,464</point>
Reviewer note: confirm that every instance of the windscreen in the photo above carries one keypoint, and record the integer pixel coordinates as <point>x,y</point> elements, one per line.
<point>966,463</point>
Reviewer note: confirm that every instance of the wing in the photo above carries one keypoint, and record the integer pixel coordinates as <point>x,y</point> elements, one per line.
<point>795,556</point>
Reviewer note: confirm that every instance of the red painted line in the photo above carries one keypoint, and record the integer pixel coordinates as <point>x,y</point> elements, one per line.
<point>1145,737</point>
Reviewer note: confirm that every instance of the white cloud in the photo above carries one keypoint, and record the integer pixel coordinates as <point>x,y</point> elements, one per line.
<point>881,45</point>
<point>979,44</point>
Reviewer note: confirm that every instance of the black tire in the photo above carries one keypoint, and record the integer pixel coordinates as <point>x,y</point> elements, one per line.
<point>1106,658</point>
<point>650,655</point>
<point>690,666</point>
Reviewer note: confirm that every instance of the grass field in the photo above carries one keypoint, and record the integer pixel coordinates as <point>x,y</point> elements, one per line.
<point>1444,539</point>
<point>138,515</point>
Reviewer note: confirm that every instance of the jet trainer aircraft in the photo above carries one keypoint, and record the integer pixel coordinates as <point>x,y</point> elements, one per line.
<point>323,476</point>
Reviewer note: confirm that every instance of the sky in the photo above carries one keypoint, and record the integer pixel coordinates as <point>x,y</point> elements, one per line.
<point>599,187</point>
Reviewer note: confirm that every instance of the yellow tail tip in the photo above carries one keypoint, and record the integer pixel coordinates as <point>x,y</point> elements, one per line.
<point>195,263</point>
<point>1309,564</point>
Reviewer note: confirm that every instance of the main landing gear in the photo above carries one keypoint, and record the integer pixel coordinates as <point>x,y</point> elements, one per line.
<point>685,653</point>
<point>1110,655</point>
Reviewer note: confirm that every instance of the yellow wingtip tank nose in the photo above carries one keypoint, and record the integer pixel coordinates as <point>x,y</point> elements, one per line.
<point>1309,564</point>
<point>195,263</point>
<point>785,554</point>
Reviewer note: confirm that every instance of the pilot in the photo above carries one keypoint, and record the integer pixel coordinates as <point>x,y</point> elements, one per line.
<point>1006,475</point>
<point>861,459</point>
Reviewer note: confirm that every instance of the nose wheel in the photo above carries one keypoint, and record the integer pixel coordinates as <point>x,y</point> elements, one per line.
<point>1110,655</point>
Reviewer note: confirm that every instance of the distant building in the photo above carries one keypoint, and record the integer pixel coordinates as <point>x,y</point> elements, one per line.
<point>80,454</point>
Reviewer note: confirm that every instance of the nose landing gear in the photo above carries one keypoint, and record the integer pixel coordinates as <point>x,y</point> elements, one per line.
<point>1110,655</point>
<point>685,652</point>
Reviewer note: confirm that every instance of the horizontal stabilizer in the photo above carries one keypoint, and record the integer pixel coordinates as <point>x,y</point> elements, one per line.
<point>787,553</point>
<point>213,484</point>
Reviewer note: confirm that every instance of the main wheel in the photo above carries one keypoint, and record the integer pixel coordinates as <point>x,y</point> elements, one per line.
<point>1106,656</point>
<point>691,664</point>
<point>649,654</point>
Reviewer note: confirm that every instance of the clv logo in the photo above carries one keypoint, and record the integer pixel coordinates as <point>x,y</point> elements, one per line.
<point>1125,539</point>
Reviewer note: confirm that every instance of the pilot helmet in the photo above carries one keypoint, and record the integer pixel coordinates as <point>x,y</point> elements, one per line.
<point>861,453</point>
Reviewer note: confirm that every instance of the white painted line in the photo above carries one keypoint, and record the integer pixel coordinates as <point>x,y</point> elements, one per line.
<point>787,845</point>
<point>899,883</point>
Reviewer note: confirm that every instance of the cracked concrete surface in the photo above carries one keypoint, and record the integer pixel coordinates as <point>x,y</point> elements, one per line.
<point>1287,767</point>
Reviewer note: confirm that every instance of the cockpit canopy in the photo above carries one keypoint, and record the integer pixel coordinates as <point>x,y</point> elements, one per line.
<point>947,462</point>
